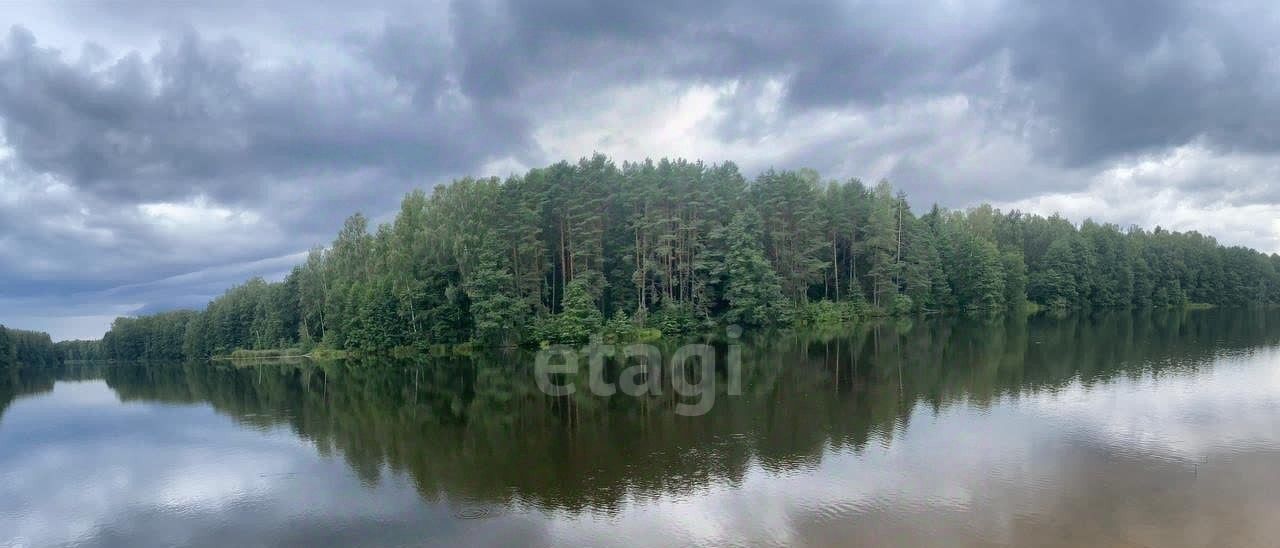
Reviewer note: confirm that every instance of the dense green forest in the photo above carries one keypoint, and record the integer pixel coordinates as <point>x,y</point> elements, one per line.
<point>26,349</point>
<point>80,351</point>
<point>569,250</point>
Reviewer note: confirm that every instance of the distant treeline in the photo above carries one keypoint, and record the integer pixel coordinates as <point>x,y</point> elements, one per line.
<point>81,351</point>
<point>574,249</point>
<point>20,348</point>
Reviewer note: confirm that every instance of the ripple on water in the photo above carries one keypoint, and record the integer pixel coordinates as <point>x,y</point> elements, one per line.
<point>475,510</point>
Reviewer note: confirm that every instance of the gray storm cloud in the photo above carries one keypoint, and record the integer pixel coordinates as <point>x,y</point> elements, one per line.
<point>143,143</point>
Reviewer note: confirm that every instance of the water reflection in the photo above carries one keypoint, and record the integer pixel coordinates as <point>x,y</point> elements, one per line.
<point>1105,429</point>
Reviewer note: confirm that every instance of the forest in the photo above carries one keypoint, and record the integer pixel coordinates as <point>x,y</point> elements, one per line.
<point>568,251</point>
<point>20,348</point>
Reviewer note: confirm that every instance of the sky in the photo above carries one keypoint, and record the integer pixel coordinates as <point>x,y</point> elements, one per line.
<point>153,154</point>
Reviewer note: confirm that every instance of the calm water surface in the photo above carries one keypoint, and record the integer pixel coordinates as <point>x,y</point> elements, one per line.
<point>1123,429</point>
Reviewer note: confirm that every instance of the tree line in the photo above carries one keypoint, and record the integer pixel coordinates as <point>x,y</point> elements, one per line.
<point>81,351</point>
<point>20,348</point>
<point>573,249</point>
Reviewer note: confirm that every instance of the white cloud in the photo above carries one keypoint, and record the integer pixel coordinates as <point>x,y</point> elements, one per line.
<point>964,104</point>
<point>1232,197</point>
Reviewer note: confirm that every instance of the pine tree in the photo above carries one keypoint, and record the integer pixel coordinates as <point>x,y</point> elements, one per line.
<point>751,288</point>
<point>497,314</point>
<point>883,241</point>
<point>792,233</point>
<point>580,318</point>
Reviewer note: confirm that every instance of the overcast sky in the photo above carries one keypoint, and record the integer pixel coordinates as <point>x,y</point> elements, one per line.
<point>153,154</point>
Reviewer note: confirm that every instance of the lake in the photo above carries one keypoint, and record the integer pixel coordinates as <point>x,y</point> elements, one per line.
<point>1115,429</point>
